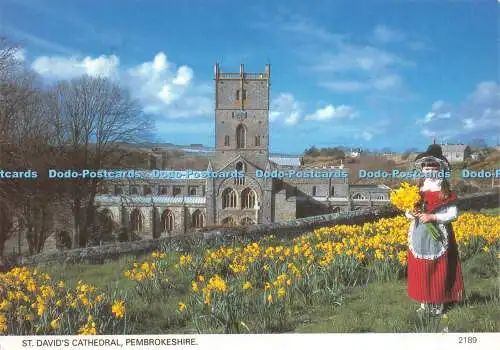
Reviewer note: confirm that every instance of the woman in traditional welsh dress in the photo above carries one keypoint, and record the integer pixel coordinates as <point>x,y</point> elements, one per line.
<point>434,271</point>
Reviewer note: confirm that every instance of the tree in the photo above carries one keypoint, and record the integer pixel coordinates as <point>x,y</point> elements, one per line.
<point>93,117</point>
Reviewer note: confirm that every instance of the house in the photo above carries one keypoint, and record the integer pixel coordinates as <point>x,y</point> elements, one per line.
<point>456,153</point>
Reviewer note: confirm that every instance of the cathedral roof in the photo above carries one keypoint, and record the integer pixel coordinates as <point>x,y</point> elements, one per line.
<point>128,200</point>
<point>285,161</point>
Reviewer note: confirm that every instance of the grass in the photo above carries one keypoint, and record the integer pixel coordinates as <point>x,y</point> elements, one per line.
<point>493,211</point>
<point>375,307</point>
<point>377,300</point>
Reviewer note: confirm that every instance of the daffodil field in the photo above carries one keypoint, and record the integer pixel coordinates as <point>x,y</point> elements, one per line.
<point>251,287</point>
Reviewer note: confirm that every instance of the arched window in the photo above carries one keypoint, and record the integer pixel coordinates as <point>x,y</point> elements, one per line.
<point>240,166</point>
<point>176,191</point>
<point>247,221</point>
<point>226,140</point>
<point>136,220</point>
<point>359,196</point>
<point>248,198</point>
<point>134,190</point>
<point>147,190</point>
<point>229,221</point>
<point>336,210</point>
<point>229,198</point>
<point>241,136</point>
<point>163,190</point>
<point>192,191</point>
<point>106,223</point>
<point>167,221</point>
<point>118,190</point>
<point>197,219</point>
<point>314,190</point>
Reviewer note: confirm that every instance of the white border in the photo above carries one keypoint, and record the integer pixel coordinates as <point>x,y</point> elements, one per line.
<point>364,341</point>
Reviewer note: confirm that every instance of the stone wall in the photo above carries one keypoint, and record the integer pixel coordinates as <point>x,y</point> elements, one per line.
<point>290,228</point>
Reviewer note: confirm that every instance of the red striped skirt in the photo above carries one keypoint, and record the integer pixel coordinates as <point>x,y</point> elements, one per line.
<point>436,281</point>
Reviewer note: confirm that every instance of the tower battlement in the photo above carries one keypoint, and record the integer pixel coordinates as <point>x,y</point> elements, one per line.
<point>219,74</point>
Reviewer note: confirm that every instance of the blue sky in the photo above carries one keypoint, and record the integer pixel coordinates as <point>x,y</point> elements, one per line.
<point>370,74</point>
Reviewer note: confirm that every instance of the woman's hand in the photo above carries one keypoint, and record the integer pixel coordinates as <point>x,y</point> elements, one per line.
<point>425,218</point>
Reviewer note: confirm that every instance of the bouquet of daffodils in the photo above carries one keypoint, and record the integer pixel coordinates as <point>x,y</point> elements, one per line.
<point>407,197</point>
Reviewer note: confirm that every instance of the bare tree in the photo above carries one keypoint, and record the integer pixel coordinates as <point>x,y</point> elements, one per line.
<point>93,117</point>
<point>13,95</point>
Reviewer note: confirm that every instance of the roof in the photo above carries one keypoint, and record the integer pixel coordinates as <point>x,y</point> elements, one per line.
<point>146,200</point>
<point>453,148</point>
<point>370,187</point>
<point>285,161</point>
<point>171,174</point>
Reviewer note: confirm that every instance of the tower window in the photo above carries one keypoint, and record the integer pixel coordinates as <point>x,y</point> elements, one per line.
<point>243,94</point>
<point>226,140</point>
<point>257,140</point>
<point>241,135</point>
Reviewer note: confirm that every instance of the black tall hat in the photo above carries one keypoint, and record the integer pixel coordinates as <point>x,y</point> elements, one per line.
<point>433,154</point>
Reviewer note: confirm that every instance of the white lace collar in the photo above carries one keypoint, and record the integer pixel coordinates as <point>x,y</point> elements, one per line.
<point>432,185</point>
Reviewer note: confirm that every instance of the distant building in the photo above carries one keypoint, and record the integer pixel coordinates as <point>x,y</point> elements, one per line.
<point>354,153</point>
<point>457,153</point>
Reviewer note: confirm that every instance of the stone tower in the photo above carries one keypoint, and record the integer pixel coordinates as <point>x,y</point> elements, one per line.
<point>241,116</point>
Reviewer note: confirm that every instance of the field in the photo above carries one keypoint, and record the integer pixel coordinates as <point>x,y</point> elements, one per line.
<point>335,279</point>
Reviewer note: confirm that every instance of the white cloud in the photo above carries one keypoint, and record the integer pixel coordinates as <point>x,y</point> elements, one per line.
<point>477,115</point>
<point>379,83</point>
<point>353,58</point>
<point>285,108</point>
<point>343,64</point>
<point>436,106</point>
<point>387,82</point>
<point>184,76</point>
<point>346,86</point>
<point>59,67</point>
<point>161,88</point>
<point>20,55</point>
<point>330,112</point>
<point>384,35</point>
<point>432,116</point>
<point>365,135</point>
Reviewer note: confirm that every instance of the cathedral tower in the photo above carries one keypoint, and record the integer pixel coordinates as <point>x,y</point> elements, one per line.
<point>242,116</point>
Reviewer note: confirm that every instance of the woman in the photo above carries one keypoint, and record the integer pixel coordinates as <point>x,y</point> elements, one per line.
<point>434,271</point>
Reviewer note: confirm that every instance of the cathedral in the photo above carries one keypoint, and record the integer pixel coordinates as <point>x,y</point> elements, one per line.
<point>164,202</point>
